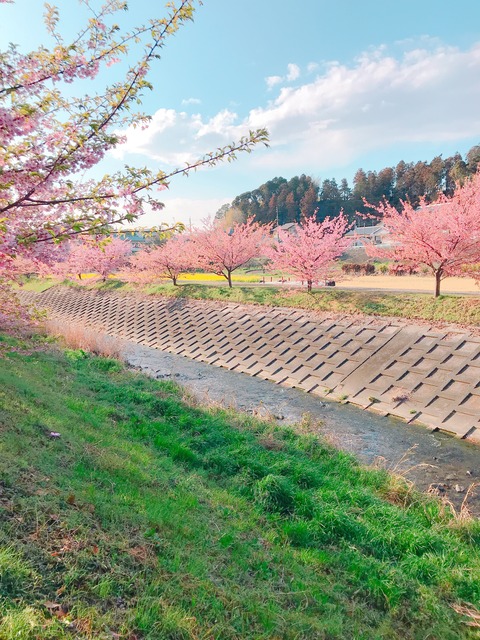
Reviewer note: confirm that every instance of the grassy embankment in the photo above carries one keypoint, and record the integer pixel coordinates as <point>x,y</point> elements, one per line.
<point>415,306</point>
<point>462,310</point>
<point>151,517</point>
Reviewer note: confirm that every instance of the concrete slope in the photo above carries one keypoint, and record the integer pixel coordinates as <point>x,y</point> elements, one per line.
<point>426,376</point>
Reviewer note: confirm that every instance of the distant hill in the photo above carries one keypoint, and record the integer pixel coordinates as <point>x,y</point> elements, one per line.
<point>282,201</point>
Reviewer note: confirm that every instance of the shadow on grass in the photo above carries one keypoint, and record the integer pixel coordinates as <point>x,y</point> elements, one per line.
<point>111,285</point>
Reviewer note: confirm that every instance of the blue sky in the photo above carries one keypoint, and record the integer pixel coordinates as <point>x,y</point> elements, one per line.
<point>340,84</point>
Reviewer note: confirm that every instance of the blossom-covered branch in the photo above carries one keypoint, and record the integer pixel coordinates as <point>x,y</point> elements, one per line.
<point>49,137</point>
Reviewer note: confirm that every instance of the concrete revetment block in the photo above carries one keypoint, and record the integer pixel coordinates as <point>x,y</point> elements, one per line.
<point>428,377</point>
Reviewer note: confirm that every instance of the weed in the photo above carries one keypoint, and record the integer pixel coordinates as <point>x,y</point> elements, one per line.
<point>401,395</point>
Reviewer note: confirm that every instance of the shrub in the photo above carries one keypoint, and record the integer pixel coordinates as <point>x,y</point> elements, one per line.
<point>398,269</point>
<point>358,269</point>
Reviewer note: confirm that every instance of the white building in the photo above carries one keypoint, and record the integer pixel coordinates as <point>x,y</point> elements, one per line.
<point>375,234</point>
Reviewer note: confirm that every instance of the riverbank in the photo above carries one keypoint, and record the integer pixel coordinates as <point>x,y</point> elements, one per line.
<point>433,461</point>
<point>462,310</point>
<point>422,374</point>
<point>129,510</point>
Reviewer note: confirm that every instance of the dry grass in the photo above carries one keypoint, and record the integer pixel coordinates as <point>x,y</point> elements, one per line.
<point>464,514</point>
<point>400,490</point>
<point>77,336</point>
<point>471,613</point>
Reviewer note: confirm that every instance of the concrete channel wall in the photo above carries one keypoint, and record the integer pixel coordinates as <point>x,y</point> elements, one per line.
<point>424,375</point>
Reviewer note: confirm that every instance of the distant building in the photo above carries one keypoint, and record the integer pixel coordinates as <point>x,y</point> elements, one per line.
<point>139,238</point>
<point>289,227</point>
<point>434,205</point>
<point>376,234</point>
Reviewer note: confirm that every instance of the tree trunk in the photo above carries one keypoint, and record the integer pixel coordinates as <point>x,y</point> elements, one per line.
<point>174,280</point>
<point>229,278</point>
<point>309,286</point>
<point>438,279</point>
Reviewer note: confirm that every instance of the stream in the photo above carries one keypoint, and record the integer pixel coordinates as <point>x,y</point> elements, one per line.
<point>433,460</point>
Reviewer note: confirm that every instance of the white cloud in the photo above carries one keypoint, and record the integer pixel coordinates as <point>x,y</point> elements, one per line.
<point>273,80</point>
<point>425,95</point>
<point>377,101</point>
<point>293,72</point>
<point>187,101</point>
<point>218,124</point>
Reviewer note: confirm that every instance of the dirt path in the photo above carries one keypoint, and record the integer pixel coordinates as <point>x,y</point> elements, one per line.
<point>378,282</point>
<point>410,284</point>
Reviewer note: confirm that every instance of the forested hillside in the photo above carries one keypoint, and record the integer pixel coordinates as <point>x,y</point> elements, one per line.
<point>281,200</point>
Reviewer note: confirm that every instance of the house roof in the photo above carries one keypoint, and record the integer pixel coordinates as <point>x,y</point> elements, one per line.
<point>367,231</point>
<point>288,226</point>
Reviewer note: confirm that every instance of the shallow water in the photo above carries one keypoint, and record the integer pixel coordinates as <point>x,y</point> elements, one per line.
<point>424,457</point>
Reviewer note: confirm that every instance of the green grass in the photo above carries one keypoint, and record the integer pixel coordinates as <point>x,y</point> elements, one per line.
<point>415,306</point>
<point>151,517</point>
<point>36,284</point>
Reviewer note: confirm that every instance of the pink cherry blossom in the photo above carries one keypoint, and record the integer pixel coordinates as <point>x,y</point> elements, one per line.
<point>52,135</point>
<point>310,251</point>
<point>444,237</point>
<point>168,260</point>
<point>102,258</point>
<point>222,251</point>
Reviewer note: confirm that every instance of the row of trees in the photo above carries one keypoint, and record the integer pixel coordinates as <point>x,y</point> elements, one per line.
<point>443,237</point>
<point>50,138</point>
<point>308,254</point>
<point>277,201</point>
<point>406,182</point>
<point>291,200</point>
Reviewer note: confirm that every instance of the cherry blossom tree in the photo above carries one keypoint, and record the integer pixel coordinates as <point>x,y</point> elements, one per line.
<point>311,249</point>
<point>168,260</point>
<point>102,257</point>
<point>54,129</point>
<point>444,236</point>
<point>222,251</point>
